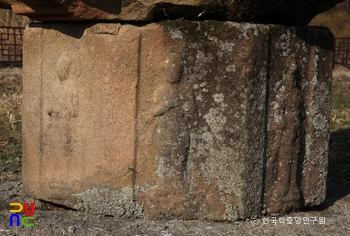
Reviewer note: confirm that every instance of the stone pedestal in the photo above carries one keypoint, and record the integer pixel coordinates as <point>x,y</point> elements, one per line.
<point>194,120</point>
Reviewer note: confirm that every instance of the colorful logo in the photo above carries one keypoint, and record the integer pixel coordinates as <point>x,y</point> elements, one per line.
<point>28,220</point>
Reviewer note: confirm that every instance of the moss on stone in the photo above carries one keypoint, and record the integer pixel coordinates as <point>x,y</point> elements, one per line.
<point>198,31</point>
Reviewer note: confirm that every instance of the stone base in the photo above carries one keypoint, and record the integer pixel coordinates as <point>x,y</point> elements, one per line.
<point>194,120</point>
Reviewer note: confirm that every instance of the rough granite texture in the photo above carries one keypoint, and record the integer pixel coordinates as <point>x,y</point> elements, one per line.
<point>258,11</point>
<point>193,120</point>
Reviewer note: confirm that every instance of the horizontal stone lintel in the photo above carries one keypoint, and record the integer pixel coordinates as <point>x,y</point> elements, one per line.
<point>258,11</point>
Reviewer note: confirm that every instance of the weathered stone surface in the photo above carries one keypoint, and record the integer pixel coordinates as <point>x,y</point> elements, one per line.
<point>298,118</point>
<point>261,11</point>
<point>195,116</point>
<point>79,131</point>
<point>176,119</point>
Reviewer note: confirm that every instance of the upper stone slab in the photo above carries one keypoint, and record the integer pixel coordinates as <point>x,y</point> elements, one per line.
<point>259,11</point>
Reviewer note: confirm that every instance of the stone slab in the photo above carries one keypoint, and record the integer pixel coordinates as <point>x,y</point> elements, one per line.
<point>178,119</point>
<point>258,11</point>
<point>80,114</point>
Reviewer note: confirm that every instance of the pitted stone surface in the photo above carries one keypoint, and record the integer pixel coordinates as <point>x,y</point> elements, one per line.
<point>108,202</point>
<point>194,120</point>
<point>298,121</point>
<point>259,11</point>
<point>203,161</point>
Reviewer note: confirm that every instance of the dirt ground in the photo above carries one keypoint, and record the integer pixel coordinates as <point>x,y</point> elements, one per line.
<point>332,218</point>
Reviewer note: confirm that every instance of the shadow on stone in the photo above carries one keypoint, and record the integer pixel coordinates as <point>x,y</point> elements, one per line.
<point>319,38</point>
<point>114,7</point>
<point>73,29</point>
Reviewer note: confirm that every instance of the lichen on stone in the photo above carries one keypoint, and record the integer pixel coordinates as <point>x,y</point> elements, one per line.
<point>108,202</point>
